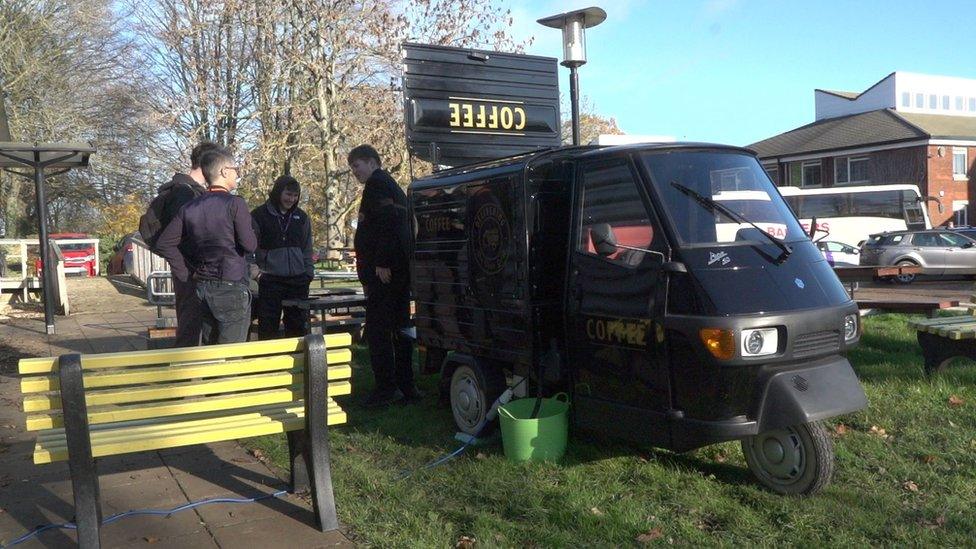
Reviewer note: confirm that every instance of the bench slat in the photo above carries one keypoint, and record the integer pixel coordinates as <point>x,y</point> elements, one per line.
<point>952,326</point>
<point>968,333</point>
<point>122,439</point>
<point>127,395</point>
<point>134,376</point>
<point>924,325</point>
<point>182,354</point>
<point>114,414</point>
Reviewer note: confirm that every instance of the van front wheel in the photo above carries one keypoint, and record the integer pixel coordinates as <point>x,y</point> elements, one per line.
<point>796,460</point>
<point>474,388</point>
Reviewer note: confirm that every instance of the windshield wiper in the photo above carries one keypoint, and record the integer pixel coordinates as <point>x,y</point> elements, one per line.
<point>714,206</point>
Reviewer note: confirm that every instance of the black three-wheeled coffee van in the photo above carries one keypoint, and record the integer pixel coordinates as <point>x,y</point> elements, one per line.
<point>667,287</point>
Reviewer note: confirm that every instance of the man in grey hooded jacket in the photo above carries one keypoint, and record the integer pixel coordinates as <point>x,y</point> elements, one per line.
<point>284,257</point>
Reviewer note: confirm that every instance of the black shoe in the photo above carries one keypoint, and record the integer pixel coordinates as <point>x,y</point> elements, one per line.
<point>380,399</point>
<point>412,393</point>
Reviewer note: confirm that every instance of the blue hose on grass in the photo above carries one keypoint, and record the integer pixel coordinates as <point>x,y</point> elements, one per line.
<point>163,512</point>
<point>502,399</point>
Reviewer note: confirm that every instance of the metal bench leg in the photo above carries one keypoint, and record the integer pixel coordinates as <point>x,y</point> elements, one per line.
<point>84,476</point>
<point>319,460</point>
<point>296,453</point>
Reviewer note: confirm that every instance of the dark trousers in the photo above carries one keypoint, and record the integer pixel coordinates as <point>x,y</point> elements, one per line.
<point>187,313</point>
<point>269,309</point>
<point>225,311</point>
<point>390,349</point>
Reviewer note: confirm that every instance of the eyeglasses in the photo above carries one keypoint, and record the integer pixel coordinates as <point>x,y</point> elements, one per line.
<point>237,169</point>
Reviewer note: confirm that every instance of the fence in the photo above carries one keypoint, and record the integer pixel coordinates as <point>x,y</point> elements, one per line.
<point>23,281</point>
<point>152,273</point>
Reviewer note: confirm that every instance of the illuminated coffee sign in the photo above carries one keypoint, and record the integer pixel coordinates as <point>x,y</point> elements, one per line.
<point>477,116</point>
<point>489,116</point>
<point>464,106</point>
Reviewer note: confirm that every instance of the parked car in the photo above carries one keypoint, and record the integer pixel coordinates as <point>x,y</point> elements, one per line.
<point>938,251</point>
<point>121,261</point>
<point>79,258</point>
<point>838,253</point>
<point>965,231</point>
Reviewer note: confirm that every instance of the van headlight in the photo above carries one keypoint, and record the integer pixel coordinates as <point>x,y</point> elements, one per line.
<point>759,342</point>
<point>850,326</point>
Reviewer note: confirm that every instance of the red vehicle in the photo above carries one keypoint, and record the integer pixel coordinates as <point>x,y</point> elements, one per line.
<point>79,257</point>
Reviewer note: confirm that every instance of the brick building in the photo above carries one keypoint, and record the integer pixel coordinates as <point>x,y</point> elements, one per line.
<point>907,128</point>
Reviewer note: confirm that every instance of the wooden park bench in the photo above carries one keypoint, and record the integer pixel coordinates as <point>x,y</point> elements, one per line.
<point>944,338</point>
<point>89,406</point>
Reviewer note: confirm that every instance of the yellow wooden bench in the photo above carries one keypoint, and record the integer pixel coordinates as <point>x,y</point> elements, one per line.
<point>89,406</point>
<point>944,338</point>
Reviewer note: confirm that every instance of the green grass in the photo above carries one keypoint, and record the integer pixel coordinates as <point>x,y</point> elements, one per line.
<point>914,484</point>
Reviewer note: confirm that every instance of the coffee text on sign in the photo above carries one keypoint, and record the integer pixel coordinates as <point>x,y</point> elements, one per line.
<point>492,117</point>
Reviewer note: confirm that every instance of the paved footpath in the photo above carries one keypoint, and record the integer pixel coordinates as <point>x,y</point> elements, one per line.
<point>33,495</point>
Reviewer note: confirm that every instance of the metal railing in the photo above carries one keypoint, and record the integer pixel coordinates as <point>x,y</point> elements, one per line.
<point>145,263</point>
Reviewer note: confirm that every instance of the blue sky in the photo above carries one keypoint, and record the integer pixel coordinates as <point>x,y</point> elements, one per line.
<point>737,71</point>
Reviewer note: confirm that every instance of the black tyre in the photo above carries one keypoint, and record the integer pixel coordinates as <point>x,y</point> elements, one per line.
<point>797,460</point>
<point>907,278</point>
<point>474,388</point>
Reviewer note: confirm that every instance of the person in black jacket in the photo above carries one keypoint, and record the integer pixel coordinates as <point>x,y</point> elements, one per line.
<point>383,243</point>
<point>179,191</point>
<point>284,257</point>
<point>207,242</point>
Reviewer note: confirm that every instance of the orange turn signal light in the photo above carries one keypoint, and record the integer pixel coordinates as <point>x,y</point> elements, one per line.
<point>719,342</point>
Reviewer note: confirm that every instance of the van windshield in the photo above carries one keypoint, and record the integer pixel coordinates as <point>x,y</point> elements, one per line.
<point>732,179</point>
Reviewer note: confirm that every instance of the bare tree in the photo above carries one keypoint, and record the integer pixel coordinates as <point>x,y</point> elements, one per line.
<point>65,66</point>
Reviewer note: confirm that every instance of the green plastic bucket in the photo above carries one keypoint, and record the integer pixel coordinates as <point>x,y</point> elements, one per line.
<point>539,439</point>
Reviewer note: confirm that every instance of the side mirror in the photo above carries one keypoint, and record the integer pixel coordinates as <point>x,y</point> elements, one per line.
<point>674,267</point>
<point>969,245</point>
<point>604,240</point>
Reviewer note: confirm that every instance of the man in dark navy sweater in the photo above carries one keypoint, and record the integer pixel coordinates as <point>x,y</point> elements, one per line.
<point>383,244</point>
<point>206,242</point>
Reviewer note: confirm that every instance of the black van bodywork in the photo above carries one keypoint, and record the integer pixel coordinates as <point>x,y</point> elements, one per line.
<point>509,274</point>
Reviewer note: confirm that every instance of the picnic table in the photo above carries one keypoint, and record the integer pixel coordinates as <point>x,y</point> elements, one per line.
<point>908,304</point>
<point>349,305</point>
<point>853,275</point>
<point>896,300</point>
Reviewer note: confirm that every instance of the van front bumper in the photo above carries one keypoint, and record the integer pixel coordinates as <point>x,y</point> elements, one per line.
<point>804,393</point>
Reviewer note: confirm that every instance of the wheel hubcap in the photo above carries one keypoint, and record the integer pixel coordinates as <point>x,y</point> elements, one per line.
<point>779,455</point>
<point>466,401</point>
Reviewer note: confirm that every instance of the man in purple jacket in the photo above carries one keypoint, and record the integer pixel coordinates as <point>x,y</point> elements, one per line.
<point>207,242</point>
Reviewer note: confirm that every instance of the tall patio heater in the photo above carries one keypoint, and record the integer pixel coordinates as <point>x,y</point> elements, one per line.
<point>38,157</point>
<point>573,25</point>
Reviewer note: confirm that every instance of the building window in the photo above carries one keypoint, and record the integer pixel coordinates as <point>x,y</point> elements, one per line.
<point>811,174</point>
<point>960,105</point>
<point>945,102</point>
<point>919,100</point>
<point>960,212</point>
<point>906,99</point>
<point>972,104</point>
<point>851,169</point>
<point>959,163</point>
<point>933,101</point>
<point>772,171</point>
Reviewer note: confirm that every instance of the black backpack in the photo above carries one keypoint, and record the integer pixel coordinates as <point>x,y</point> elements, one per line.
<point>151,222</point>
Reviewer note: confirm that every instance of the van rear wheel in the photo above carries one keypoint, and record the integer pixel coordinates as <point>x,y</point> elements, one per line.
<point>796,460</point>
<point>474,388</point>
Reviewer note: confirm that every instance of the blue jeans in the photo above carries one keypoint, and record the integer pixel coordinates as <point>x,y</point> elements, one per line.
<point>225,311</point>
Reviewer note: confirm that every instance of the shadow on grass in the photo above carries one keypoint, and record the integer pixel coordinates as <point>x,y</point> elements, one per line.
<point>428,425</point>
